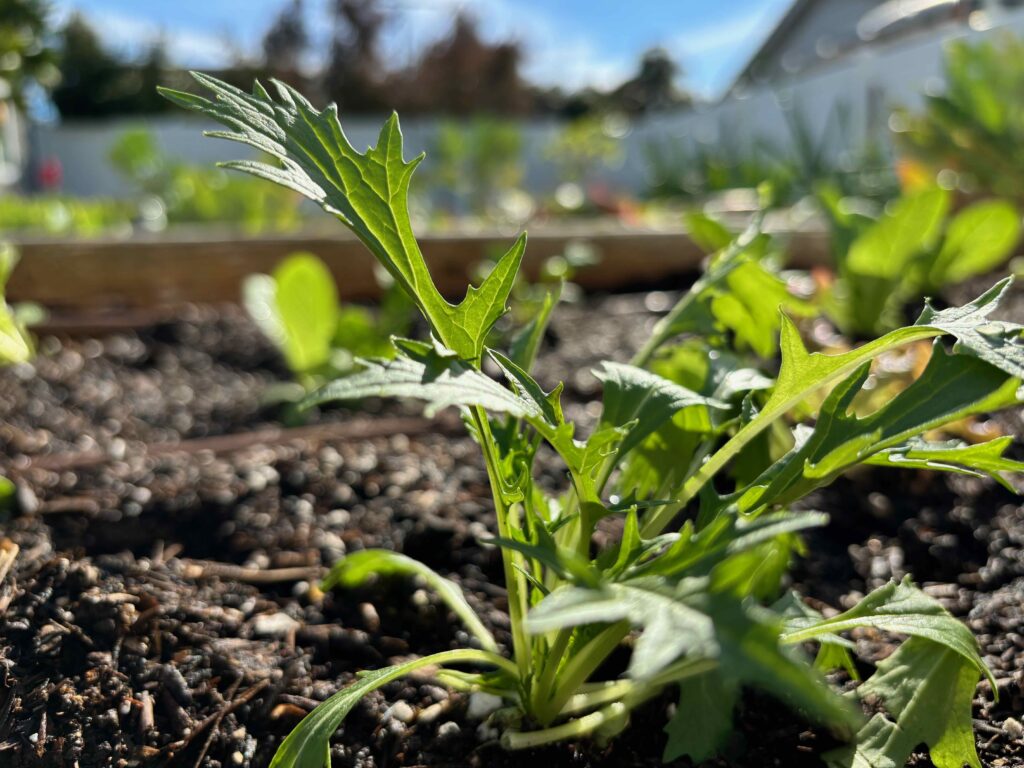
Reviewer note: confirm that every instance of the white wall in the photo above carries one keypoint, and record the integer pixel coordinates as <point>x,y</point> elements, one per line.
<point>870,82</point>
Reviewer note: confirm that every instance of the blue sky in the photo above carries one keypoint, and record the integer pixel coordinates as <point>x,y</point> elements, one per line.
<point>567,42</point>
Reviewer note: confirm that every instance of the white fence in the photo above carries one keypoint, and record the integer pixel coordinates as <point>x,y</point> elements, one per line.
<point>868,83</point>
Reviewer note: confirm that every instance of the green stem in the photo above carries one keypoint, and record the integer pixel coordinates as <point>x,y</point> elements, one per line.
<point>580,667</point>
<point>625,695</point>
<point>516,590</point>
<point>571,730</point>
<point>543,690</point>
<point>607,692</point>
<point>720,268</point>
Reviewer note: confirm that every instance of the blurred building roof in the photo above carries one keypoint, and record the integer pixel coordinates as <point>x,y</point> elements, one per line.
<point>812,32</point>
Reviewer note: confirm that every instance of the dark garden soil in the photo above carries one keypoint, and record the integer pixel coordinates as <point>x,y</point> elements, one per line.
<point>161,609</point>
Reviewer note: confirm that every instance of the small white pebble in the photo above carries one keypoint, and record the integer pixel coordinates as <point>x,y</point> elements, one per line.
<point>274,625</point>
<point>431,713</point>
<point>486,732</point>
<point>237,757</point>
<point>448,730</point>
<point>401,712</point>
<point>370,616</point>
<point>482,704</point>
<point>420,598</point>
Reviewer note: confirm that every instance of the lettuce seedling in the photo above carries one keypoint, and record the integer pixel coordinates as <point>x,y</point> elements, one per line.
<point>16,344</point>
<point>913,249</point>
<point>297,308</point>
<point>694,576</point>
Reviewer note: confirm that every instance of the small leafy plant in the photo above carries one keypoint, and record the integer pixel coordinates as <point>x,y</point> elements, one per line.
<point>912,248</point>
<point>16,345</point>
<point>174,192</point>
<point>297,308</point>
<point>974,130</point>
<point>693,583</point>
<point>479,164</point>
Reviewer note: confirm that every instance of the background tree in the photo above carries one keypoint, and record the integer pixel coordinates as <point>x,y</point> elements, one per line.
<point>26,59</point>
<point>653,88</point>
<point>352,77</point>
<point>285,45</point>
<point>463,74</point>
<point>89,73</point>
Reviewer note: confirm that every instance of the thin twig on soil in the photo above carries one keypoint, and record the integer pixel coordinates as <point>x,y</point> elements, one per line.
<point>216,717</point>
<point>207,569</point>
<point>216,724</point>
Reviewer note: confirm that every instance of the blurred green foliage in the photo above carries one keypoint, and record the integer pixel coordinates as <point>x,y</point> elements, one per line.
<point>61,215</point>
<point>794,167</point>
<point>16,345</point>
<point>26,58</point>
<point>475,162</point>
<point>912,248</point>
<point>584,145</point>
<point>297,308</point>
<point>174,192</point>
<point>975,128</point>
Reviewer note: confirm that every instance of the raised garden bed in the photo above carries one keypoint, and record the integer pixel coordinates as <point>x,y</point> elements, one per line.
<point>201,265</point>
<point>158,607</point>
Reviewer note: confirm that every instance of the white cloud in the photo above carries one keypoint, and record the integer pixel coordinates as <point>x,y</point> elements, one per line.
<point>132,36</point>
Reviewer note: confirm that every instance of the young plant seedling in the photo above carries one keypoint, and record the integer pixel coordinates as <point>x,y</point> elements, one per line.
<point>16,345</point>
<point>697,569</point>
<point>912,249</point>
<point>297,308</point>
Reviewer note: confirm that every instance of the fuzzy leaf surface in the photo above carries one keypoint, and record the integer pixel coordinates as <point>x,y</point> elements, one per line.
<point>426,374</point>
<point>928,692</point>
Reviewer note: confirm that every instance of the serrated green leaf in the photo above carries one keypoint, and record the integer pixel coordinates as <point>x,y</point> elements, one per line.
<point>898,607</point>
<point>367,191</point>
<point>996,342</point>
<point>547,403</point>
<point>984,459</point>
<point>951,387</point>
<point>356,568</point>
<point>441,381</point>
<point>929,693</point>
<point>802,373</point>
